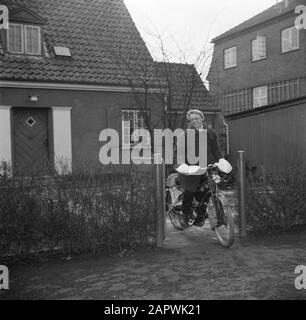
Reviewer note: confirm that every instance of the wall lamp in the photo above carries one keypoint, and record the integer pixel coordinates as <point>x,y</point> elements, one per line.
<point>33,98</point>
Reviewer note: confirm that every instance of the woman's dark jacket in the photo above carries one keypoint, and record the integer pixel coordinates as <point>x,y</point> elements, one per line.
<point>190,183</point>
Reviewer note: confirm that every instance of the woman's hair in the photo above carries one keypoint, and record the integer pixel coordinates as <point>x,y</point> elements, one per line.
<point>194,111</point>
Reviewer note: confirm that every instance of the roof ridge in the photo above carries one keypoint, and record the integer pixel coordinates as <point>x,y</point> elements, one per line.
<point>175,63</point>
<point>284,7</point>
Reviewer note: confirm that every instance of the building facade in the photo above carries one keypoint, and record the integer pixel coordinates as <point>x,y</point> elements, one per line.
<point>68,70</point>
<point>260,62</point>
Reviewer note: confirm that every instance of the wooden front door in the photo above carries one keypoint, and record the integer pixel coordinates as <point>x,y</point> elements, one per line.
<point>30,142</point>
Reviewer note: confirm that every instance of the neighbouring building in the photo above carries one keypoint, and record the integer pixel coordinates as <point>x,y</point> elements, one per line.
<point>258,75</point>
<point>68,69</point>
<point>260,62</point>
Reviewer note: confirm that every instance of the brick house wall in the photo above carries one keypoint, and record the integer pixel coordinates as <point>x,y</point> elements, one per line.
<point>91,112</point>
<point>275,68</point>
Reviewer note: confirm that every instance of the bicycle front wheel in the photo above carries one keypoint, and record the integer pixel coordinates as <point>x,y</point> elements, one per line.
<point>221,221</point>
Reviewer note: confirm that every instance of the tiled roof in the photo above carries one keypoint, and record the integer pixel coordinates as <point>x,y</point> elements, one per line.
<point>278,9</point>
<point>105,44</point>
<point>186,87</point>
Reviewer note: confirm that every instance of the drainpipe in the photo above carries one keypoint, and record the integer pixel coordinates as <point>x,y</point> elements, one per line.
<point>227,135</point>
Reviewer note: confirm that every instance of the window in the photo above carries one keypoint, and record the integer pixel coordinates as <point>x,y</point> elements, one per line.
<point>284,90</point>
<point>260,96</point>
<point>24,39</point>
<point>290,39</point>
<point>15,38</point>
<point>259,48</point>
<point>237,101</point>
<point>230,58</point>
<point>273,93</point>
<point>131,120</point>
<point>32,40</point>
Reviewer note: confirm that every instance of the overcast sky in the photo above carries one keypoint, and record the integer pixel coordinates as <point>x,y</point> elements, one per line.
<point>186,25</point>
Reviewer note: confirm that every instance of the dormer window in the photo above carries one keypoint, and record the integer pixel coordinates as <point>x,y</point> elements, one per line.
<point>24,32</point>
<point>24,39</point>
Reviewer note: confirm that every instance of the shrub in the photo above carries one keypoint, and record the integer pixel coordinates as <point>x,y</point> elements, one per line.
<point>82,212</point>
<point>279,205</point>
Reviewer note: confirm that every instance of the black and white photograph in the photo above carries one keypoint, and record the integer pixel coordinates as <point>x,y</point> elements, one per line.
<point>152,152</point>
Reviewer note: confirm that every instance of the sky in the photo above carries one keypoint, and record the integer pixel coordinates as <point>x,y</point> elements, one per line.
<point>187,26</point>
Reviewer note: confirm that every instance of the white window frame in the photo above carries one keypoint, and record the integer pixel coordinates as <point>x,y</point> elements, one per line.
<point>287,36</point>
<point>260,96</point>
<point>24,39</point>
<point>256,52</point>
<point>230,57</point>
<point>136,113</point>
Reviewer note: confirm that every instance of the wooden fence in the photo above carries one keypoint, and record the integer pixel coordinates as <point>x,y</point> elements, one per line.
<point>272,137</point>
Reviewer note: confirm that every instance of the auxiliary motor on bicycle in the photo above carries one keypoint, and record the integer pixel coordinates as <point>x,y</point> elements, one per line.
<point>210,203</point>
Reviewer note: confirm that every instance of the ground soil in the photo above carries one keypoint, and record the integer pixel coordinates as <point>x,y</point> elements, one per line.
<point>191,265</point>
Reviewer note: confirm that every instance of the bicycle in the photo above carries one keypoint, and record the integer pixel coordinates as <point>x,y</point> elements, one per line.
<point>209,205</point>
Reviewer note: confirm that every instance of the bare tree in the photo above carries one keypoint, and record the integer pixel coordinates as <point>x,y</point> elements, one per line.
<point>179,83</point>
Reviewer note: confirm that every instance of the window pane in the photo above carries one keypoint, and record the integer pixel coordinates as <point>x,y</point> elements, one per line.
<point>230,57</point>
<point>290,39</point>
<point>126,132</point>
<point>260,96</point>
<point>131,120</point>
<point>295,38</point>
<point>254,50</point>
<point>234,57</point>
<point>259,48</point>
<point>285,40</point>
<point>32,35</point>
<point>15,38</point>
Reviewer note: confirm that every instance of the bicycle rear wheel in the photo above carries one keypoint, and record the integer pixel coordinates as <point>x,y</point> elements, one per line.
<point>177,219</point>
<point>221,221</point>
<point>175,211</point>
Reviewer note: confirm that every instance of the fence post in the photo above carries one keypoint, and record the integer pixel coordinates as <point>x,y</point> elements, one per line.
<point>242,194</point>
<point>164,196</point>
<point>159,198</point>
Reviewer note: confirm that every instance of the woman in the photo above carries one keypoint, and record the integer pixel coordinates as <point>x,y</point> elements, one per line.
<point>190,183</point>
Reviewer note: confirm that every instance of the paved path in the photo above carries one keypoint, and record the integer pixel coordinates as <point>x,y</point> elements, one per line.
<point>190,266</point>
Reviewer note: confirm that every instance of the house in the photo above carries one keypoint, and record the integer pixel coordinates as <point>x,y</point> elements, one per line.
<point>260,62</point>
<point>258,74</point>
<point>68,69</point>
<point>186,90</point>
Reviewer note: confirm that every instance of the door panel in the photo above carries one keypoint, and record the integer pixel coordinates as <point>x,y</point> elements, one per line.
<point>30,141</point>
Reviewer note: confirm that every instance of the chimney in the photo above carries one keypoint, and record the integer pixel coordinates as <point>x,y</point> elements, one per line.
<point>281,6</point>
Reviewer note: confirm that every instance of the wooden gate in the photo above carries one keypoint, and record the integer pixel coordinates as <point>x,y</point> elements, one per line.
<point>30,142</point>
